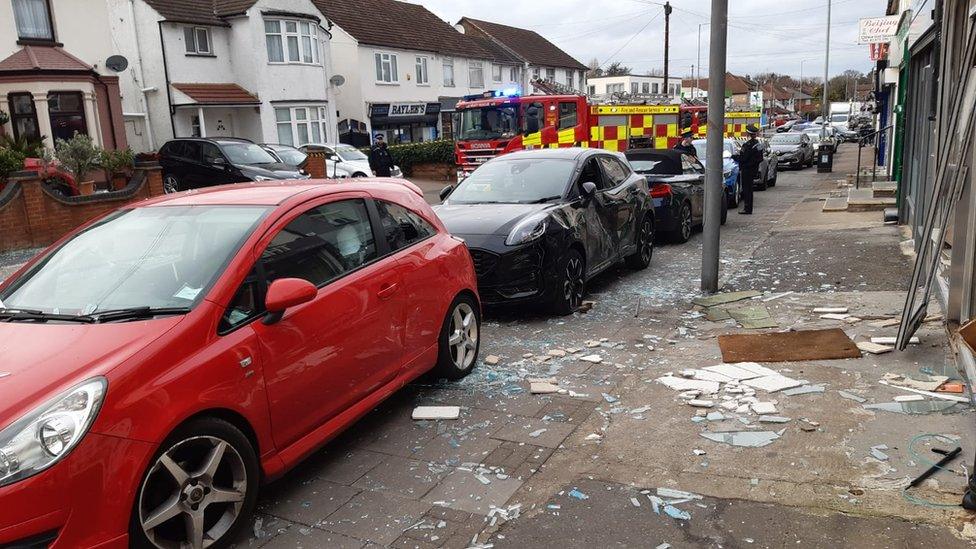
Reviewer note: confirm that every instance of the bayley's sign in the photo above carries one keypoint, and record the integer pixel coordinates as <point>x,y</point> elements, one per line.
<point>877,30</point>
<point>408,109</point>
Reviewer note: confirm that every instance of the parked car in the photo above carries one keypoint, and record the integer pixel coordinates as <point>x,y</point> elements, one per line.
<point>292,156</point>
<point>840,122</point>
<point>676,183</point>
<point>541,223</point>
<point>822,136</point>
<point>794,149</point>
<point>237,330</point>
<point>787,125</point>
<point>348,158</point>
<point>767,174</point>
<point>192,163</point>
<point>730,169</point>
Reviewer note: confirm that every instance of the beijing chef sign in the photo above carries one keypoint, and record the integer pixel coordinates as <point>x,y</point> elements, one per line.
<point>877,30</point>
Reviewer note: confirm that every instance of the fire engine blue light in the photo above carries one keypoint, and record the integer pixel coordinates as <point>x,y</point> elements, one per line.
<point>509,92</point>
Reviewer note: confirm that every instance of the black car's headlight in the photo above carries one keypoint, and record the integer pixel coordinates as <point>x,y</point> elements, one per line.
<point>44,436</point>
<point>528,230</point>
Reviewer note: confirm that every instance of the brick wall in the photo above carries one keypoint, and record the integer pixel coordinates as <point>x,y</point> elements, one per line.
<point>32,216</point>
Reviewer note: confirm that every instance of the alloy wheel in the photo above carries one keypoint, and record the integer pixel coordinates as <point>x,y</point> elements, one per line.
<point>171,184</point>
<point>738,190</point>
<point>686,222</point>
<point>464,336</point>
<point>573,283</point>
<point>646,240</point>
<point>193,494</point>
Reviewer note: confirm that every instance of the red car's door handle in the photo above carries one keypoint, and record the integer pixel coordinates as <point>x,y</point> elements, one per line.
<point>387,290</point>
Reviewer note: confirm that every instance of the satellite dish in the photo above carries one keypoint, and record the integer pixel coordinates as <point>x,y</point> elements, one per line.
<point>337,80</point>
<point>117,63</point>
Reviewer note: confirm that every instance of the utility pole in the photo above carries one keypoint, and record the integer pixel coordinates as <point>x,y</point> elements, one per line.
<point>714,191</point>
<point>667,30</point>
<point>826,105</point>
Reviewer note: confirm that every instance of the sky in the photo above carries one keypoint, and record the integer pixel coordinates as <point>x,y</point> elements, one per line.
<point>782,36</point>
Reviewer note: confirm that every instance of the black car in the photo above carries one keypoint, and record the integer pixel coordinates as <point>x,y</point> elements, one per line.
<point>794,149</point>
<point>541,223</point>
<point>677,187</point>
<point>191,163</point>
<point>286,154</point>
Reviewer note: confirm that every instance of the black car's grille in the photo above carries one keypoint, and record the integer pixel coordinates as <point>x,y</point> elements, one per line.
<point>484,261</point>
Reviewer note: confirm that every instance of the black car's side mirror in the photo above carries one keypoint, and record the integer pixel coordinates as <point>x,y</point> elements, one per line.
<point>588,190</point>
<point>446,192</point>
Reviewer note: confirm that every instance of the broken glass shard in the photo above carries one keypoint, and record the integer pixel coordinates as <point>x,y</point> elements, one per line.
<point>750,439</point>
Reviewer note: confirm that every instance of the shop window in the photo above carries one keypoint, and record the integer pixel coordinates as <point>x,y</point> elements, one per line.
<point>496,73</point>
<point>33,18</point>
<point>422,79</point>
<point>448,70</point>
<point>197,41</point>
<point>292,41</point>
<point>476,74</point>
<point>299,126</point>
<point>567,115</point>
<point>23,116</point>
<point>386,68</point>
<point>67,111</point>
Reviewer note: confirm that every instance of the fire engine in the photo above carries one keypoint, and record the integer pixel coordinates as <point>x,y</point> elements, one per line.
<point>498,122</point>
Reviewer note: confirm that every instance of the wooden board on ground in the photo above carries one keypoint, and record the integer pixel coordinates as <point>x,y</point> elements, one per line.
<point>788,346</point>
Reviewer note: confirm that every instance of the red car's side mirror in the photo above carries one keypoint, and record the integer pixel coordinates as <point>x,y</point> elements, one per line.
<point>286,293</point>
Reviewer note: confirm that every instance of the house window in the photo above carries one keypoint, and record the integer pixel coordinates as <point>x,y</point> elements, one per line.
<point>448,69</point>
<point>634,88</point>
<point>551,75</point>
<point>195,126</point>
<point>33,20</point>
<point>592,90</point>
<point>422,79</point>
<point>646,87</point>
<point>23,116</point>
<point>197,40</point>
<point>299,126</point>
<point>476,74</point>
<point>291,41</point>
<point>386,67</point>
<point>655,87</point>
<point>496,73</point>
<point>513,74</point>
<point>535,73</point>
<point>569,77</point>
<point>67,111</point>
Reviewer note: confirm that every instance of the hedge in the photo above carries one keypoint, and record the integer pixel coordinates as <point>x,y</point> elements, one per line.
<point>407,155</point>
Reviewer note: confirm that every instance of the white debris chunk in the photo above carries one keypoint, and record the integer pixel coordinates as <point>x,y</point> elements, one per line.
<point>701,403</point>
<point>835,316</point>
<point>537,432</point>
<point>436,412</point>
<point>874,348</point>
<point>733,371</point>
<point>682,384</point>
<point>764,408</point>
<point>890,340</point>
<point>492,360</point>
<point>831,310</point>
<point>773,383</point>
<point>543,388</point>
<point>558,353</point>
<point>594,359</point>
<point>908,398</point>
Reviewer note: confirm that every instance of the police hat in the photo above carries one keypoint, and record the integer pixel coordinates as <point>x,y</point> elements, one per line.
<point>752,128</point>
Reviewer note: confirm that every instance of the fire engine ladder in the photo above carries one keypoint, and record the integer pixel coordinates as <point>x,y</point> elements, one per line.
<point>548,87</point>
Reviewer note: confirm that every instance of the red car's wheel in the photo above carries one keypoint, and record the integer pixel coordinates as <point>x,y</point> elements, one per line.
<point>459,341</point>
<point>200,490</point>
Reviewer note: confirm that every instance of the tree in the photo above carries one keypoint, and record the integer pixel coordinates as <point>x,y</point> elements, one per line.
<point>594,68</point>
<point>616,69</point>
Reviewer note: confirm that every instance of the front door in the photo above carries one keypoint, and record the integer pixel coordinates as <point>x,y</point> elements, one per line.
<point>329,354</point>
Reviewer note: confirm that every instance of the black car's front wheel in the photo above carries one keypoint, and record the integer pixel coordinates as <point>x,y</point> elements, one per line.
<point>685,225</point>
<point>572,280</point>
<point>171,184</point>
<point>641,257</point>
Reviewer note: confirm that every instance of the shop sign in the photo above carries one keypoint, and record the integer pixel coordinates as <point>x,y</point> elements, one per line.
<point>407,109</point>
<point>876,30</point>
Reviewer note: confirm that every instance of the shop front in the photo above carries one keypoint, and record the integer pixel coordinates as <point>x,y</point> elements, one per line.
<point>405,122</point>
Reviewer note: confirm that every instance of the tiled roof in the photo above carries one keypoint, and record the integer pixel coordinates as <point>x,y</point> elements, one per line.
<point>42,58</point>
<point>201,12</point>
<point>499,53</point>
<point>399,25</point>
<point>733,84</point>
<point>218,94</point>
<point>527,44</point>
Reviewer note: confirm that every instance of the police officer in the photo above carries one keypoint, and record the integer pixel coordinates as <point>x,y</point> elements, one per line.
<point>685,145</point>
<point>380,160</point>
<point>749,157</point>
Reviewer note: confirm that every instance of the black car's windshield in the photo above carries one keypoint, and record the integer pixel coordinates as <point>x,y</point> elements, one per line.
<point>246,153</point>
<point>651,165</point>
<point>785,139</point>
<point>514,181</point>
<point>488,123</point>
<point>350,154</point>
<point>158,257</point>
<point>291,156</point>
<point>700,146</point>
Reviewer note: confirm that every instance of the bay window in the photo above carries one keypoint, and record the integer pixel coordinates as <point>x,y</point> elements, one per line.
<point>386,68</point>
<point>33,20</point>
<point>292,41</point>
<point>299,126</point>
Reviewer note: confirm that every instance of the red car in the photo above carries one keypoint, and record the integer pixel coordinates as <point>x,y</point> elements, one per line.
<point>162,361</point>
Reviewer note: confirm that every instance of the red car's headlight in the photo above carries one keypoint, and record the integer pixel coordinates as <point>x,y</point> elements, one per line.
<point>49,432</point>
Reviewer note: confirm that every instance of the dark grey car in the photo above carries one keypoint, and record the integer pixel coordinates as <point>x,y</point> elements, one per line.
<point>794,149</point>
